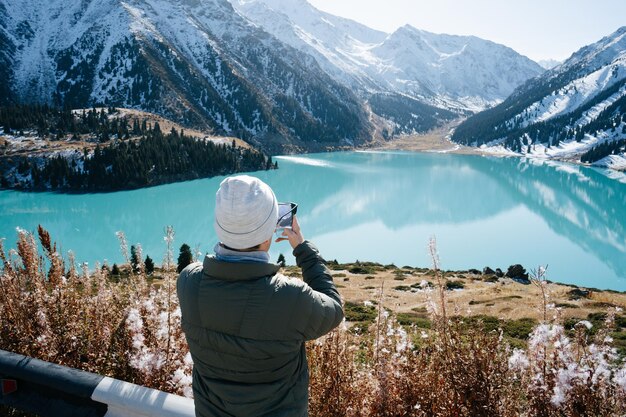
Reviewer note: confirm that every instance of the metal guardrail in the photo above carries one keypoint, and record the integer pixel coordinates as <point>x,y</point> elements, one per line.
<point>51,390</point>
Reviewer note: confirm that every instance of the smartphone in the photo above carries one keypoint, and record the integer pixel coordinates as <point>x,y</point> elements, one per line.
<point>285,215</point>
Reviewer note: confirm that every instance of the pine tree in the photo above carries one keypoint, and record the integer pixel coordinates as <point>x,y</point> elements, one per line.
<point>149,265</point>
<point>115,270</point>
<point>185,257</point>
<point>134,259</point>
<point>281,260</point>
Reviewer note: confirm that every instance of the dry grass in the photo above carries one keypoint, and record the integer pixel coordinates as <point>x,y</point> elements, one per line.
<point>449,365</point>
<point>505,299</point>
<point>435,140</point>
<point>167,125</point>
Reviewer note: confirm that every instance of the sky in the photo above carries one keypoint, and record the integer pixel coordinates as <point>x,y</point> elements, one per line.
<point>539,29</point>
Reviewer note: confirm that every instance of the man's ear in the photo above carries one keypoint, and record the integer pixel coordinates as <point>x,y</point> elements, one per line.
<point>265,246</point>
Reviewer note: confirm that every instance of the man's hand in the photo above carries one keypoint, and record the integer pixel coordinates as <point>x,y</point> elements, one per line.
<point>293,235</point>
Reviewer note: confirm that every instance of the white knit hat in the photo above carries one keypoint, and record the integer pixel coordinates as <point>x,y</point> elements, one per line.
<point>246,212</point>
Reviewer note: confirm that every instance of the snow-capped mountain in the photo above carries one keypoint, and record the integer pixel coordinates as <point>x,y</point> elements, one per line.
<point>577,109</point>
<point>278,73</point>
<point>459,70</point>
<point>549,63</point>
<point>195,61</point>
<point>454,72</point>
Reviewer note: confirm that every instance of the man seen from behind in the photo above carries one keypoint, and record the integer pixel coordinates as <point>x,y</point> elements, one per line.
<point>245,323</point>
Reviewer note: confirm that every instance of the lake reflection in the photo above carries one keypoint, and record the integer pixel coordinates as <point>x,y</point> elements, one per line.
<point>378,206</point>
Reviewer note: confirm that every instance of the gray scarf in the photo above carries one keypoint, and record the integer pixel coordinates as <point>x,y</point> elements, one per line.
<point>229,255</point>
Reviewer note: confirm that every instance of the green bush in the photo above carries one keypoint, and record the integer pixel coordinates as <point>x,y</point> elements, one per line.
<point>399,275</point>
<point>565,305</point>
<point>361,270</point>
<point>454,285</point>
<point>408,319</point>
<point>359,312</point>
<point>519,329</point>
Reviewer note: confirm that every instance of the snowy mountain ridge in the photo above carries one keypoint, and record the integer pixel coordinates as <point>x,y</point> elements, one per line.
<point>339,45</point>
<point>575,111</point>
<point>577,92</point>
<point>456,72</point>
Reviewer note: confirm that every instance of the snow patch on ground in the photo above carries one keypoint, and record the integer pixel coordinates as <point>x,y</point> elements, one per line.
<point>616,162</point>
<point>453,149</point>
<point>25,143</point>
<point>218,140</point>
<point>591,114</point>
<point>564,149</point>
<point>498,150</point>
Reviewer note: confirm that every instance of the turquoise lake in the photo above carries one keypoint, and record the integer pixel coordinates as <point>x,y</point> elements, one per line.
<point>374,206</point>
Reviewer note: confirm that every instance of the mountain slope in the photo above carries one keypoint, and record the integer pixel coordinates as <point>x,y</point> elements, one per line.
<point>195,61</point>
<point>7,53</point>
<point>564,112</point>
<point>339,45</point>
<point>455,72</point>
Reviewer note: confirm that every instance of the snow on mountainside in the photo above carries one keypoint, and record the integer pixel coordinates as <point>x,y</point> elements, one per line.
<point>195,61</point>
<point>456,72</point>
<point>577,92</point>
<point>470,71</point>
<point>549,63</point>
<point>340,45</point>
<point>577,110</point>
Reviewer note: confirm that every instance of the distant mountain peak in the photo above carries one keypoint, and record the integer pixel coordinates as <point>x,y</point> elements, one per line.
<point>549,63</point>
<point>599,53</point>
<point>429,67</point>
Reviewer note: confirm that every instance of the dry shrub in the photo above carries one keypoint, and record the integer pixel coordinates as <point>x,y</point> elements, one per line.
<point>129,329</point>
<point>392,371</point>
<point>333,370</point>
<point>461,370</point>
<point>356,375</point>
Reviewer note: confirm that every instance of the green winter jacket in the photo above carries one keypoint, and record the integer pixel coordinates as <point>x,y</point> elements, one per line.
<point>246,326</point>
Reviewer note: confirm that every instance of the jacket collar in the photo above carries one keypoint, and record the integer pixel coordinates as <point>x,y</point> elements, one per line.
<point>237,271</point>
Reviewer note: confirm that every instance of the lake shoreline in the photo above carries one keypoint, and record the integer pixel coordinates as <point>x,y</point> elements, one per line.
<point>438,141</point>
<point>376,206</point>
